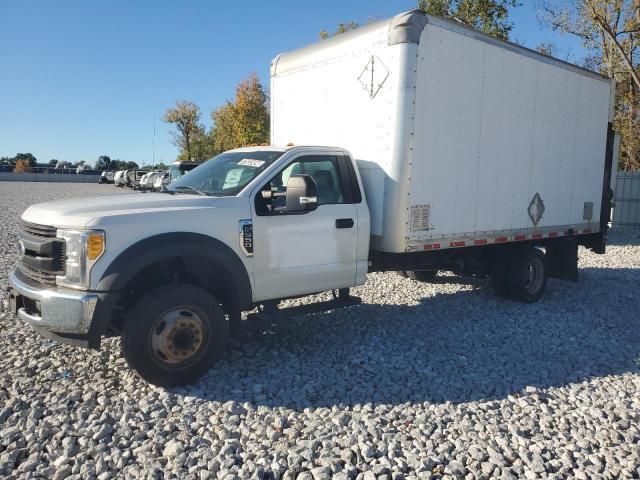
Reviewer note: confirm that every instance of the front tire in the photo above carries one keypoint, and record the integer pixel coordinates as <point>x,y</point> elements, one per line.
<point>174,335</point>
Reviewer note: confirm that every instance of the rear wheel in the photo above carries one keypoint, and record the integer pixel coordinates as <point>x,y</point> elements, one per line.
<point>421,275</point>
<point>527,275</point>
<point>174,335</point>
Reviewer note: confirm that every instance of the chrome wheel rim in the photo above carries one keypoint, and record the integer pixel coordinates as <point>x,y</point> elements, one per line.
<point>178,336</point>
<point>534,276</point>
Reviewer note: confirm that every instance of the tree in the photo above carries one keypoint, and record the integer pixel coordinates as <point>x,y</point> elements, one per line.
<point>488,16</point>
<point>251,109</point>
<point>223,132</point>
<point>103,163</point>
<point>53,162</point>
<point>547,48</point>
<point>245,121</point>
<point>131,166</point>
<point>186,118</point>
<point>202,148</point>
<point>342,28</point>
<point>157,166</point>
<point>117,164</point>
<point>22,165</point>
<point>610,33</point>
<point>28,157</point>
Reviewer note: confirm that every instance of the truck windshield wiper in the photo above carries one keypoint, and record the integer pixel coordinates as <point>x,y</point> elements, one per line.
<point>186,187</point>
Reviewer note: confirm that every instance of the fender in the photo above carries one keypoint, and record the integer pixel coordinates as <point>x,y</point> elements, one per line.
<point>159,247</point>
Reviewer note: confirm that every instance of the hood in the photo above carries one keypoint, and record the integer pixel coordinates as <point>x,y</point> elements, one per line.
<point>77,213</point>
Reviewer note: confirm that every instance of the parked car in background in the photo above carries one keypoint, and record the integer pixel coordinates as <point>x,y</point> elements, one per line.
<point>132,178</point>
<point>162,180</point>
<point>118,178</point>
<point>147,181</point>
<point>143,181</point>
<point>106,177</point>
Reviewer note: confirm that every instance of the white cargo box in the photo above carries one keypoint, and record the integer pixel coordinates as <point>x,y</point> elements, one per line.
<point>461,139</point>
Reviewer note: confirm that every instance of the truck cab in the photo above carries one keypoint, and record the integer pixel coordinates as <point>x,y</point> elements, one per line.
<point>168,271</point>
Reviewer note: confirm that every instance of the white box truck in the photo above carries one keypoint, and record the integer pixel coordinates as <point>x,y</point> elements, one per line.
<point>439,149</point>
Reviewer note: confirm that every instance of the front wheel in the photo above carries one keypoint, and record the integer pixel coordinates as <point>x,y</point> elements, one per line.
<point>174,335</point>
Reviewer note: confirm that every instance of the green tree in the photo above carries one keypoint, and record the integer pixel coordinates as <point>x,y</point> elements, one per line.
<point>201,147</point>
<point>53,162</point>
<point>185,116</point>
<point>223,131</point>
<point>131,166</point>
<point>342,28</point>
<point>103,163</point>
<point>488,16</point>
<point>118,164</point>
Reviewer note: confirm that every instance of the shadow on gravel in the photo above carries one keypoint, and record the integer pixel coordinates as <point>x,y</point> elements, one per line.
<point>624,238</point>
<point>457,347</point>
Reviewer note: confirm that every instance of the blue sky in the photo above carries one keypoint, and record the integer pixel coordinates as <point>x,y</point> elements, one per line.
<point>84,78</point>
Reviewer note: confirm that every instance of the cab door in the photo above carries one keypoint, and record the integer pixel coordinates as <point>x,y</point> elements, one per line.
<point>309,252</point>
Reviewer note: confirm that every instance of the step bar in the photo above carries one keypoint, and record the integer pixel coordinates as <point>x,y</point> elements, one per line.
<point>342,300</point>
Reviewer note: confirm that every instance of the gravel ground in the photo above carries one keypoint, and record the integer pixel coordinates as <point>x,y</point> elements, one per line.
<point>421,381</point>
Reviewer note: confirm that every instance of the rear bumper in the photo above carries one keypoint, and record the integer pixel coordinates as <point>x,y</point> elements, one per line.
<point>54,310</point>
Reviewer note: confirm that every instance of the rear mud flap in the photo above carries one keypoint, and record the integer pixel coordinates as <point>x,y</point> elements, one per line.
<point>562,257</point>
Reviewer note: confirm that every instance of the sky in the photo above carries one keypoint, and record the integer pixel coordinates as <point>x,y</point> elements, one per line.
<point>80,79</point>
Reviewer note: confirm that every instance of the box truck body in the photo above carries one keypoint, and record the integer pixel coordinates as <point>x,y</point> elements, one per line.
<point>461,139</point>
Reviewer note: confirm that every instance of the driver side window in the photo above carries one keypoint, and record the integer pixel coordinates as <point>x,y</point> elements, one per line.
<point>271,200</point>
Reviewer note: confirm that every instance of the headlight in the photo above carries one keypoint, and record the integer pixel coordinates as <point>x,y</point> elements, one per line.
<point>83,249</point>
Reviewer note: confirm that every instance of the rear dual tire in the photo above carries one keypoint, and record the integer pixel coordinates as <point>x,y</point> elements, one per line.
<point>520,275</point>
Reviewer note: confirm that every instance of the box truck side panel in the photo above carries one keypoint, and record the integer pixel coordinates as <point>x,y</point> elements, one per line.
<point>499,129</point>
<point>342,92</point>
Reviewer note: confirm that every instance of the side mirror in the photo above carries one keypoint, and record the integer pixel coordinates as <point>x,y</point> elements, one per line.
<point>302,194</point>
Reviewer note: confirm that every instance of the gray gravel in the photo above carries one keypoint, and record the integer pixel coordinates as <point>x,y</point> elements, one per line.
<point>422,381</point>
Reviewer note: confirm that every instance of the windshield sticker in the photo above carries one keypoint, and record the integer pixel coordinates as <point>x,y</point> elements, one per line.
<point>250,162</point>
<point>233,178</point>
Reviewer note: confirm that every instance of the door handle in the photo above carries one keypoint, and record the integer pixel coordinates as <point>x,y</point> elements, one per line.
<point>344,223</point>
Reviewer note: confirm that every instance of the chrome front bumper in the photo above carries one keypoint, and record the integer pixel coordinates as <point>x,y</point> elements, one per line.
<point>52,309</point>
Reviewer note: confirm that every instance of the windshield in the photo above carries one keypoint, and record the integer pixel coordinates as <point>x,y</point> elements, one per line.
<point>225,174</point>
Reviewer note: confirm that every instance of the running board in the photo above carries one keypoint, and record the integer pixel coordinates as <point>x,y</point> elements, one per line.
<point>318,307</point>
